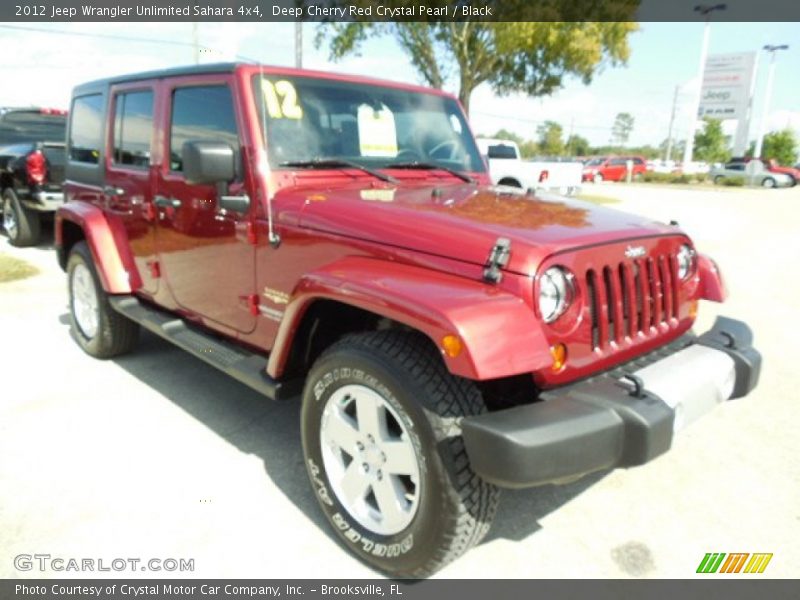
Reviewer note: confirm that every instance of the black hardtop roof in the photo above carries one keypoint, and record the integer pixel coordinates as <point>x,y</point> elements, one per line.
<point>98,84</point>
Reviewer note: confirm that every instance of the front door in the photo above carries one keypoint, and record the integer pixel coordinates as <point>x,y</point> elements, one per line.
<point>207,260</point>
<point>127,193</point>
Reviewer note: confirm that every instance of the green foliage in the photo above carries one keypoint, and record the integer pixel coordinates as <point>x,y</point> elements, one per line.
<point>532,56</point>
<point>673,178</point>
<point>780,145</point>
<point>710,144</point>
<point>550,142</point>
<point>621,130</point>
<point>577,146</point>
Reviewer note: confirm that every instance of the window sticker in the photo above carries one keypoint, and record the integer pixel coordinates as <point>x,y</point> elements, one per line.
<point>281,100</point>
<point>377,135</point>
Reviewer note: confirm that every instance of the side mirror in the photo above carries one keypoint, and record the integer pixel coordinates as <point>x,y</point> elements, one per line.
<point>208,162</point>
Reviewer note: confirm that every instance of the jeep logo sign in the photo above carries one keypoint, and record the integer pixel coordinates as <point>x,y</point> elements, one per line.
<point>634,251</point>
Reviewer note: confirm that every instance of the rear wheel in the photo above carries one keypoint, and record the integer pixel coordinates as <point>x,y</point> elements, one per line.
<point>385,456</point>
<point>99,329</point>
<point>22,226</point>
<point>768,182</point>
<point>718,180</point>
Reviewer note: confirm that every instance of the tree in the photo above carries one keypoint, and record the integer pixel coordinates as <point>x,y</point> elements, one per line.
<point>529,57</point>
<point>577,145</point>
<point>710,144</point>
<point>550,142</point>
<point>780,145</point>
<point>623,125</point>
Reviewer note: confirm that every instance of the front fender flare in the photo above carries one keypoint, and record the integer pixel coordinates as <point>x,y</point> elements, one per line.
<point>107,242</point>
<point>712,286</point>
<point>500,333</point>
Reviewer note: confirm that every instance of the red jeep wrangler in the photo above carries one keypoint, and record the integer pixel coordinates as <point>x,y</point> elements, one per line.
<point>337,238</point>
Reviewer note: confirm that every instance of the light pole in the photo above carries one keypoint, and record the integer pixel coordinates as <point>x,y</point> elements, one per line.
<point>770,74</point>
<point>705,10</point>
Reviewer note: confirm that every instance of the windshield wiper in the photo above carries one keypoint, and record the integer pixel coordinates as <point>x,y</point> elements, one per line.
<point>430,166</point>
<point>334,163</point>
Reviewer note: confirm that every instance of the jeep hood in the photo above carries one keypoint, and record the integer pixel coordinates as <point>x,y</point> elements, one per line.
<point>463,222</point>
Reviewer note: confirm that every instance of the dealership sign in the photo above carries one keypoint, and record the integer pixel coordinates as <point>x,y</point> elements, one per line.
<point>727,85</point>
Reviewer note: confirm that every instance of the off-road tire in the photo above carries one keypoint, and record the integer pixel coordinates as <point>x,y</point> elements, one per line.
<point>28,229</point>
<point>116,334</point>
<point>456,507</point>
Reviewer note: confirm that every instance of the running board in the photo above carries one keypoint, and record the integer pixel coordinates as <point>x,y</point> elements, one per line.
<point>246,367</point>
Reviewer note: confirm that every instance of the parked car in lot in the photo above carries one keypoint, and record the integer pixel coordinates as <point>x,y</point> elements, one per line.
<point>31,169</point>
<point>338,239</point>
<point>614,168</point>
<point>753,172</point>
<point>506,167</point>
<point>772,166</point>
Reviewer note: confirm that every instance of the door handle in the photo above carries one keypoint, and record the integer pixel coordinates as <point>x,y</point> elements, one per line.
<point>111,190</point>
<point>166,202</point>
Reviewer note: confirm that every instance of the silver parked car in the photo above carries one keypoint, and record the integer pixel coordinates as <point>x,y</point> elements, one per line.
<point>753,173</point>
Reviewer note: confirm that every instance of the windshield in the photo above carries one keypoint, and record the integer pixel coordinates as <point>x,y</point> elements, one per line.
<point>595,162</point>
<point>309,119</point>
<point>19,126</point>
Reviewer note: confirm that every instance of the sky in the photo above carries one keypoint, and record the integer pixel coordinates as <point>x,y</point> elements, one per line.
<point>58,56</point>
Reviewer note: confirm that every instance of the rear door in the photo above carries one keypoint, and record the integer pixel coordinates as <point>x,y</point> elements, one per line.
<point>204,250</point>
<point>615,169</point>
<point>129,180</point>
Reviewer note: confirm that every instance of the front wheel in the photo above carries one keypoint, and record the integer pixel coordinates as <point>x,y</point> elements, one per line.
<point>768,182</point>
<point>598,178</point>
<point>385,455</point>
<point>100,330</point>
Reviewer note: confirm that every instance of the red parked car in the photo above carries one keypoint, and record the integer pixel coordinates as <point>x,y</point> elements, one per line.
<point>336,240</point>
<point>614,168</point>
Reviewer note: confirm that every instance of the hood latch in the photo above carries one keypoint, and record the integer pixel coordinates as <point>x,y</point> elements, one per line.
<point>498,258</point>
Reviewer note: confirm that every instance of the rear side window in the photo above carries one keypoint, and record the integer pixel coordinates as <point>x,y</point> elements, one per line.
<point>20,126</point>
<point>616,162</point>
<point>86,127</point>
<point>201,113</point>
<point>133,126</point>
<point>501,151</point>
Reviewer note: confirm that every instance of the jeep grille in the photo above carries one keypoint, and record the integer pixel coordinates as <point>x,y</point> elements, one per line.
<point>631,297</point>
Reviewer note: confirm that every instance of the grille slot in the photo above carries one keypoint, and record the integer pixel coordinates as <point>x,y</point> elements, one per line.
<point>631,297</point>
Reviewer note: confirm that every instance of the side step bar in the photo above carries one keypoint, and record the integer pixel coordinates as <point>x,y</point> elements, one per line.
<point>246,367</point>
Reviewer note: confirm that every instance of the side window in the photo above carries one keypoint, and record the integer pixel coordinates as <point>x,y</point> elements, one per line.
<point>86,127</point>
<point>617,162</point>
<point>201,113</point>
<point>133,126</point>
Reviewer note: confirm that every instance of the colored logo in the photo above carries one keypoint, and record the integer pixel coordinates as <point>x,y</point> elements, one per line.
<point>737,562</point>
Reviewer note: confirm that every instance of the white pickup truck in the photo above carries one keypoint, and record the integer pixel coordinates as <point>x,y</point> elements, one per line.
<point>507,168</point>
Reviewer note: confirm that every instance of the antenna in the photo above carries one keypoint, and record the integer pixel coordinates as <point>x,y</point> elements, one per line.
<point>274,238</point>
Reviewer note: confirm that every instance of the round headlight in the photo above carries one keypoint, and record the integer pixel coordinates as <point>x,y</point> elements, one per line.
<point>685,261</point>
<point>555,293</point>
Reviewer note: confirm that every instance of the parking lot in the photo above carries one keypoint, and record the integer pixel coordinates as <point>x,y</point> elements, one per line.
<point>156,455</point>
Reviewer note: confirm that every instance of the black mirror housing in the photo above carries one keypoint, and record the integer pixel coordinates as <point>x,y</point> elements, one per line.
<point>208,162</point>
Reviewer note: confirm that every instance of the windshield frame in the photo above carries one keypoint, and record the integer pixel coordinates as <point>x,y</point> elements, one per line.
<point>451,107</point>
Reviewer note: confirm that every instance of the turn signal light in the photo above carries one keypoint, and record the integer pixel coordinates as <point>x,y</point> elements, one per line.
<point>693,309</point>
<point>452,345</point>
<point>559,354</point>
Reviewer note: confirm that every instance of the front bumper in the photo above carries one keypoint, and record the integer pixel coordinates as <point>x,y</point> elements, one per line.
<point>622,418</point>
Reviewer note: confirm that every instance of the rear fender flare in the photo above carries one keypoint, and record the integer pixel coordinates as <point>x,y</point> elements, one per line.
<point>107,242</point>
<point>499,331</point>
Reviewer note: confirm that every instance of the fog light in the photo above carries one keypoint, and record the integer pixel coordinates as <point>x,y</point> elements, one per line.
<point>559,354</point>
<point>452,346</point>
